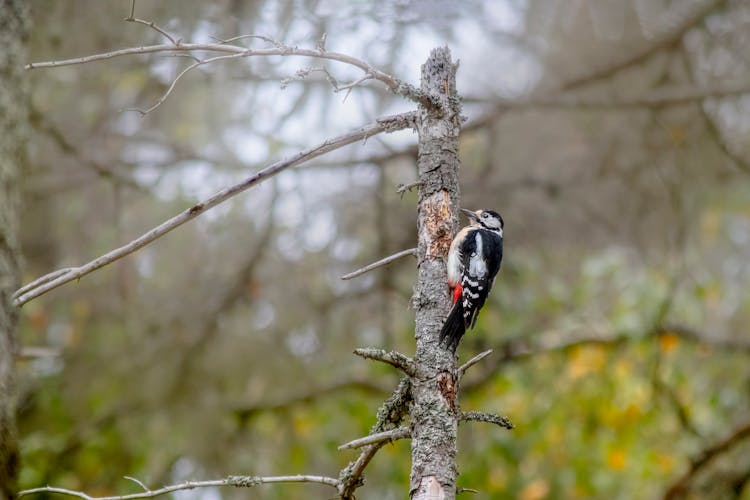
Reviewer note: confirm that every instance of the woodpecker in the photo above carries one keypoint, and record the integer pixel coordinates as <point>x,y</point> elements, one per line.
<point>473,262</point>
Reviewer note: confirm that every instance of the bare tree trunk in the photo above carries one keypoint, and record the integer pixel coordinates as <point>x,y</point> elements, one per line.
<point>434,411</point>
<point>14,15</point>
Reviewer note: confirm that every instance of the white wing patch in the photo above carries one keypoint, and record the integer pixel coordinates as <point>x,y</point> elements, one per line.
<point>477,266</point>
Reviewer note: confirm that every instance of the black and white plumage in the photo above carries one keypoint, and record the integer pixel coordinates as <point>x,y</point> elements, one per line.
<point>474,259</point>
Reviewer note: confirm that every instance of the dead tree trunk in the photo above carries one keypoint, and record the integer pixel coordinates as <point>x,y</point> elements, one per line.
<point>434,412</point>
<point>13,31</point>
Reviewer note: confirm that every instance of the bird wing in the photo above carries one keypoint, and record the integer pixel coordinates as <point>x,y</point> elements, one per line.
<point>474,281</point>
<point>482,256</point>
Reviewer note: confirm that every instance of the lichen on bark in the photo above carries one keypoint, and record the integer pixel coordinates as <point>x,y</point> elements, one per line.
<point>434,410</point>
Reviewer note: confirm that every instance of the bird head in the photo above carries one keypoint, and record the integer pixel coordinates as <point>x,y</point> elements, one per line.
<point>488,219</point>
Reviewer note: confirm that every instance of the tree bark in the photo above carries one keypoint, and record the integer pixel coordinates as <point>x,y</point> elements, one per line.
<point>434,412</point>
<point>14,16</point>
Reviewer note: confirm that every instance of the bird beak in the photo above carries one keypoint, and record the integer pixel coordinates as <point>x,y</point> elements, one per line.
<point>470,214</point>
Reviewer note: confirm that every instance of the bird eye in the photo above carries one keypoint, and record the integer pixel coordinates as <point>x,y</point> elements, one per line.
<point>485,215</point>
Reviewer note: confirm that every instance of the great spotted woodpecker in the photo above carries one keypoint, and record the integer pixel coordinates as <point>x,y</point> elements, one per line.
<point>473,262</point>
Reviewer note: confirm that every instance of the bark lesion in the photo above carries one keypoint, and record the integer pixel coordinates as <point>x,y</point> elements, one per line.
<point>437,229</point>
<point>447,386</point>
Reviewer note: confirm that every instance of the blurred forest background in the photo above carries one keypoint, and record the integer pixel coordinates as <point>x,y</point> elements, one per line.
<point>613,136</point>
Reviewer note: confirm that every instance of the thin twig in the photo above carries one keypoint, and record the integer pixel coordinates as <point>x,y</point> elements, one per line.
<point>46,283</point>
<point>242,37</point>
<point>199,62</point>
<point>236,481</point>
<point>154,26</point>
<point>43,280</point>
<point>402,188</point>
<point>387,436</point>
<point>394,84</point>
<point>393,358</point>
<point>349,86</point>
<point>390,415</point>
<point>476,359</point>
<point>480,416</point>
<point>351,477</point>
<point>32,352</point>
<point>380,263</point>
<point>137,481</point>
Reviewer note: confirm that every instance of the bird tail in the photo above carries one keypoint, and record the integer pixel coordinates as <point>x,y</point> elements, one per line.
<point>454,327</point>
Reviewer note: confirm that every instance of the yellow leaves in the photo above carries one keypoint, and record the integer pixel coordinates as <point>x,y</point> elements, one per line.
<point>668,341</point>
<point>616,459</point>
<point>586,359</point>
<point>535,490</point>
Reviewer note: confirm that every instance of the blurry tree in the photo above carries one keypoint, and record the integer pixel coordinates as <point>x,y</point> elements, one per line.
<point>14,25</point>
<point>611,135</point>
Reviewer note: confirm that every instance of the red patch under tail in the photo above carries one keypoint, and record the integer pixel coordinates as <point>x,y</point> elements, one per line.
<point>457,290</point>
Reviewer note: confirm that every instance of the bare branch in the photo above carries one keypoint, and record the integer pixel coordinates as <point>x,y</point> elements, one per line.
<point>386,436</point>
<point>47,283</point>
<point>663,96</point>
<point>351,476</point>
<point>247,481</point>
<point>476,359</point>
<point>390,415</point>
<point>66,146</point>
<point>679,487</point>
<point>136,481</point>
<point>393,358</point>
<point>236,481</point>
<point>466,490</point>
<point>199,62</point>
<point>43,280</point>
<point>31,352</point>
<point>394,84</point>
<point>479,416</point>
<point>380,263</point>
<point>349,86</point>
<point>244,37</point>
<point>303,73</point>
<point>612,67</point>
<point>154,26</point>
<point>402,188</point>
